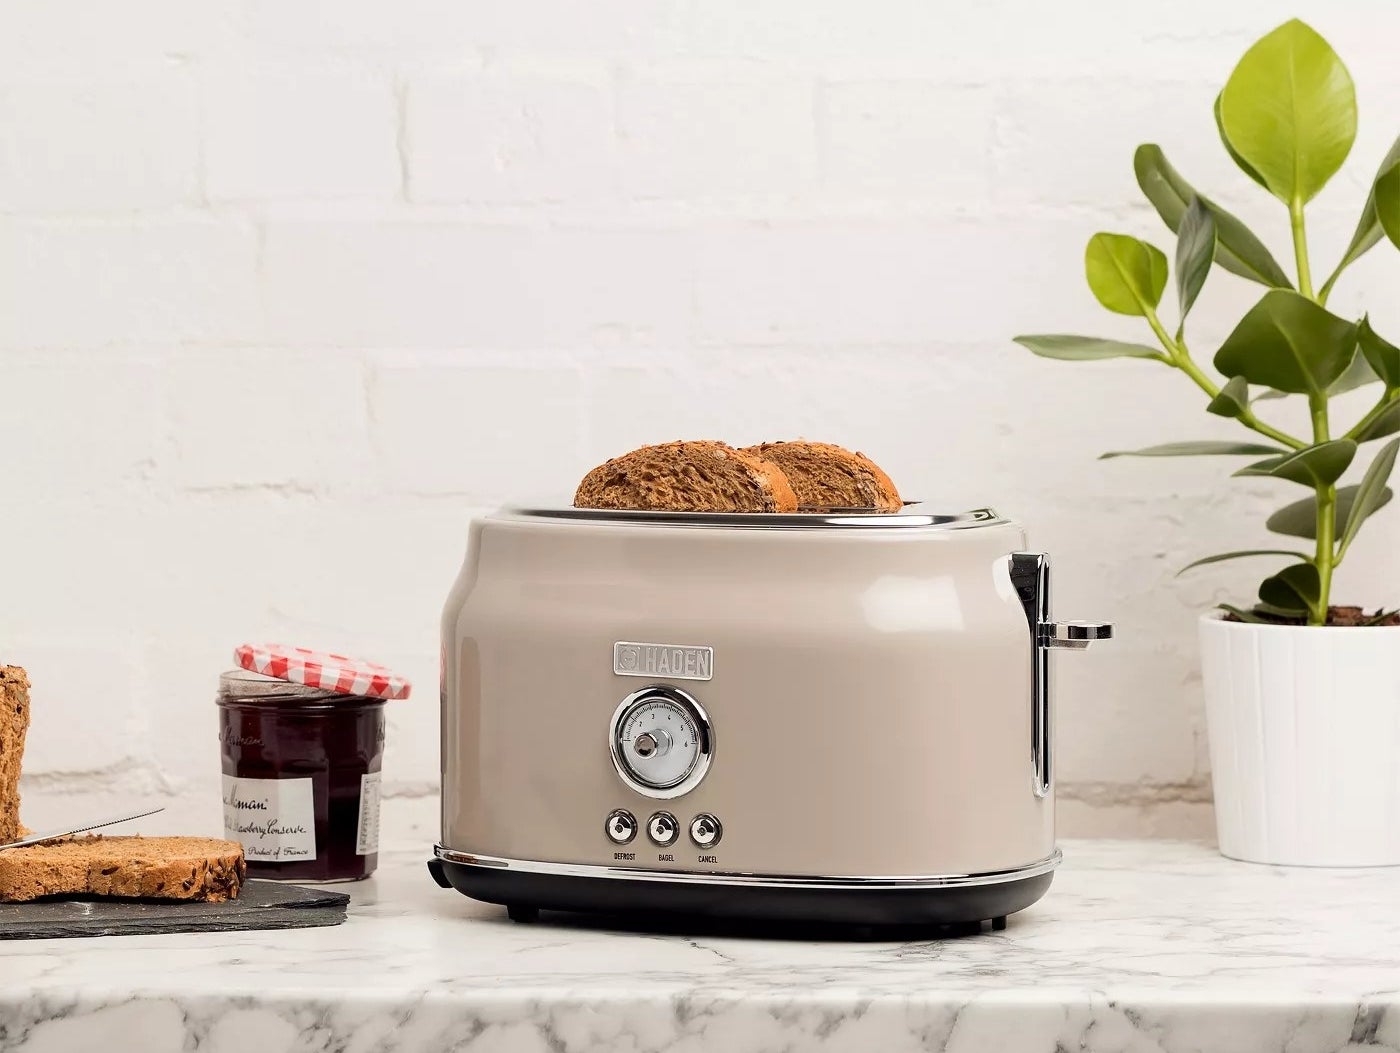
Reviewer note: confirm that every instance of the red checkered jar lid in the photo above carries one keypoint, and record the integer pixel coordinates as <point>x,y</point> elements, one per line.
<point>318,669</point>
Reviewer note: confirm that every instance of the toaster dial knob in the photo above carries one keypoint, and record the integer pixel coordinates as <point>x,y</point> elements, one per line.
<point>653,743</point>
<point>661,741</point>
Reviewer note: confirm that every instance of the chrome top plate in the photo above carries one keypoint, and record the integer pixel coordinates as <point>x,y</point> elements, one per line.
<point>824,520</point>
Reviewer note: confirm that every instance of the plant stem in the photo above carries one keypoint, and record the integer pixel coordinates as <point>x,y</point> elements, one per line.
<point>1388,399</point>
<point>1326,555</point>
<point>1326,289</point>
<point>1179,356</point>
<point>1300,248</point>
<point>1326,540</point>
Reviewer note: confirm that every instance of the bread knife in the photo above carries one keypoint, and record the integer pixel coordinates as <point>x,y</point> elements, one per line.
<point>69,831</point>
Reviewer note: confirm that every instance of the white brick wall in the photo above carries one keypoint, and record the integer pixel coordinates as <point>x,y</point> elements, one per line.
<point>320,136</point>
<point>288,292</point>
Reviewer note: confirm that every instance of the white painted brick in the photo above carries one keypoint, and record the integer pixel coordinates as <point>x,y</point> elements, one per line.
<point>1184,820</point>
<point>477,430</point>
<point>304,135</point>
<point>431,285</point>
<point>83,699</point>
<point>85,425</point>
<point>885,280</point>
<point>268,419</point>
<point>1050,153</point>
<point>909,138</point>
<point>995,39</point>
<point>127,283</point>
<point>98,146</point>
<point>716,139</point>
<point>52,40</point>
<point>428,31</point>
<point>509,139</point>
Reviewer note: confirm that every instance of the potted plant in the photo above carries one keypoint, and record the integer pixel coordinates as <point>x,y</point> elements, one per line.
<point>1302,696</point>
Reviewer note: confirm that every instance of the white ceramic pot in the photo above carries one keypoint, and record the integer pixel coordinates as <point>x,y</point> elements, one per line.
<point>1304,728</point>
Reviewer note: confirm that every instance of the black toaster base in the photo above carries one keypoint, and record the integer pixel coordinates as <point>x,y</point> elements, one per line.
<point>524,894</point>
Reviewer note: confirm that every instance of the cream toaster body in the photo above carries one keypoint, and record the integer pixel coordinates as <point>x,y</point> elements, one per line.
<point>831,717</point>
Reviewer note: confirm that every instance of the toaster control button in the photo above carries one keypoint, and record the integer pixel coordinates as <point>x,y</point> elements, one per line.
<point>663,829</point>
<point>705,830</point>
<point>621,826</point>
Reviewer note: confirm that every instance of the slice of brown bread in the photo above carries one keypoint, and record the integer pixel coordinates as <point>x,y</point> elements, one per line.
<point>14,724</point>
<point>187,868</point>
<point>827,476</point>
<point>687,477</point>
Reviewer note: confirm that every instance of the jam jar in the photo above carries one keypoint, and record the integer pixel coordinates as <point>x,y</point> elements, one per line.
<point>301,768</point>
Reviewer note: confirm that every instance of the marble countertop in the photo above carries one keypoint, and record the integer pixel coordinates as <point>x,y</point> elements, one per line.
<point>1139,946</point>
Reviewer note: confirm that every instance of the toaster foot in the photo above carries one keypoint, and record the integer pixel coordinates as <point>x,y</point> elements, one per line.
<point>526,913</point>
<point>999,923</point>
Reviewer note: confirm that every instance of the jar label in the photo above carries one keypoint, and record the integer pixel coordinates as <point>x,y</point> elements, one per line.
<point>367,837</point>
<point>274,819</point>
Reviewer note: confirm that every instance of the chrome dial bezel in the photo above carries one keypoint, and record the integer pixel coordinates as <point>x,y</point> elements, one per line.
<point>677,697</point>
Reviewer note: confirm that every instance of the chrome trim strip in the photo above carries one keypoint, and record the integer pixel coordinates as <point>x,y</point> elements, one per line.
<point>766,520</point>
<point>860,884</point>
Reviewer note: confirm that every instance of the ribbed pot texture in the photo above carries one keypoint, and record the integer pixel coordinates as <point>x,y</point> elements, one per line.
<point>1304,728</point>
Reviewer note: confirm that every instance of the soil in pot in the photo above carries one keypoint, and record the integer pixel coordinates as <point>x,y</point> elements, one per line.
<point>1338,616</point>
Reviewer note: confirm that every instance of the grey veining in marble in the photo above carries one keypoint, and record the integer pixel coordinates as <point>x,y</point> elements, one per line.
<point>1139,946</point>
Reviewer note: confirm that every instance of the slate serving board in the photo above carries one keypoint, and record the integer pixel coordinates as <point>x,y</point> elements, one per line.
<point>261,905</point>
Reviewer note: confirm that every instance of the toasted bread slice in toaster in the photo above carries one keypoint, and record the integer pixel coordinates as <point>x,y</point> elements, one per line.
<point>704,476</point>
<point>824,475</point>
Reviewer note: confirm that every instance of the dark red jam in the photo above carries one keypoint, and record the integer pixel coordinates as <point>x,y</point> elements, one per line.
<point>301,778</point>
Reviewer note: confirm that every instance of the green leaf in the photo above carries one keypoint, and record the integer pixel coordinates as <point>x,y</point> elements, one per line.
<point>1083,348</point>
<point>1221,557</point>
<point>1294,588</point>
<point>1358,375</point>
<point>1300,518</point>
<point>1368,228</point>
<point>1387,194</point>
<point>1237,249</point>
<point>1233,399</point>
<point>1195,251</point>
<point>1125,274</point>
<point>1369,494</point>
<point>1277,612</point>
<point>1383,356</point>
<point>1290,343</point>
<point>1244,165</point>
<point>1387,423</point>
<point>1316,466</point>
<point>1244,616</point>
<point>1289,111</point>
<point>1202,448</point>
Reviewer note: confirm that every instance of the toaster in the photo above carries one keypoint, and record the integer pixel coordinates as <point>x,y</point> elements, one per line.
<point>836,717</point>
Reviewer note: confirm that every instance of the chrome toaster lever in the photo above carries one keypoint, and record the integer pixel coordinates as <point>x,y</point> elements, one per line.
<point>1030,577</point>
<point>1074,635</point>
